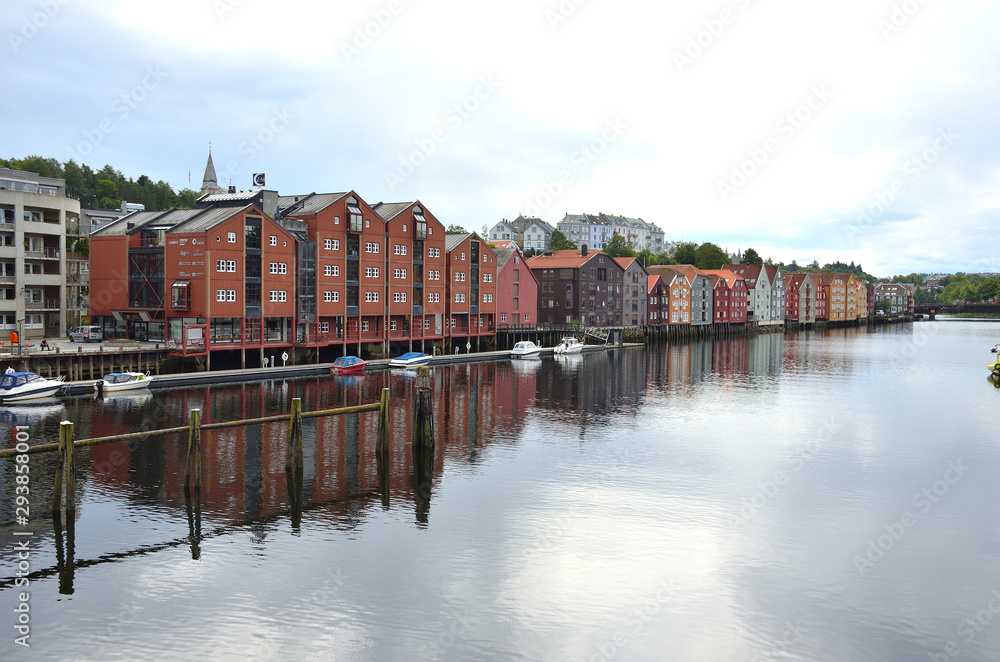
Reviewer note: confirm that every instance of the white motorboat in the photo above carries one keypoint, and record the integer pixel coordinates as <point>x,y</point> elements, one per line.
<point>410,360</point>
<point>17,386</point>
<point>525,350</point>
<point>568,345</point>
<point>114,382</point>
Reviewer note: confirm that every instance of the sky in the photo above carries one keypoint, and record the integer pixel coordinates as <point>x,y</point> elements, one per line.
<point>861,130</point>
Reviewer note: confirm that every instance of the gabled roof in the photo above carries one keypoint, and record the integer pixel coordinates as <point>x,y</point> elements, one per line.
<point>688,270</point>
<point>625,262</point>
<point>453,241</point>
<point>725,274</point>
<point>390,210</point>
<point>772,272</point>
<point>203,222</point>
<point>749,272</point>
<point>307,205</point>
<point>503,244</point>
<point>227,197</point>
<point>651,281</point>
<point>567,259</point>
<point>668,272</point>
<point>505,253</point>
<point>172,220</point>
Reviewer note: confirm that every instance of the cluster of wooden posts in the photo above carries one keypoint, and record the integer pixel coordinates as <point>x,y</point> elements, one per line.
<point>422,443</point>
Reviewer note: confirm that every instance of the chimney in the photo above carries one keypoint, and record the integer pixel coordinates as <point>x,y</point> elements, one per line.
<point>583,250</point>
<point>232,189</point>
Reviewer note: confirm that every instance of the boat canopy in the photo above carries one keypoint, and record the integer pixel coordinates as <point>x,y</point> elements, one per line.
<point>409,356</point>
<point>13,379</point>
<point>347,361</point>
<point>123,377</point>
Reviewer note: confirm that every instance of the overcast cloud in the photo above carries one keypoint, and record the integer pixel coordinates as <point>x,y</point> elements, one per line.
<point>860,130</point>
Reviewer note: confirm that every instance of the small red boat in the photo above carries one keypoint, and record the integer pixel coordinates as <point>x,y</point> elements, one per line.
<point>348,365</point>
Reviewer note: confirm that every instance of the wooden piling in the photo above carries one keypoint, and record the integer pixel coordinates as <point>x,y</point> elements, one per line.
<point>295,437</point>
<point>384,424</point>
<point>66,435</point>
<point>60,470</point>
<point>194,451</point>
<point>423,410</point>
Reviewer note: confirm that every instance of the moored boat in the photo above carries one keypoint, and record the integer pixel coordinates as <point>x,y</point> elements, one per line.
<point>525,349</point>
<point>995,366</point>
<point>410,360</point>
<point>568,345</point>
<point>348,365</point>
<point>17,386</point>
<point>114,382</point>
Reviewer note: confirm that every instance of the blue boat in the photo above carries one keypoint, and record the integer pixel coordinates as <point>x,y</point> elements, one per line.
<point>410,360</point>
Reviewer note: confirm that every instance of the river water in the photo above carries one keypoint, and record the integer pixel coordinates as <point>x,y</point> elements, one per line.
<point>826,495</point>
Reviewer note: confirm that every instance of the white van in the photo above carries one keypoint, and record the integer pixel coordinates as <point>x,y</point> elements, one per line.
<point>86,334</point>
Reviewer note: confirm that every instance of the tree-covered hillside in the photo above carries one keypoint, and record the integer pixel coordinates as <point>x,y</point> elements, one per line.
<point>107,187</point>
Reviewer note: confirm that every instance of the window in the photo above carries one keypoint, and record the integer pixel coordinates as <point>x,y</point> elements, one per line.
<point>231,237</point>
<point>220,295</point>
<point>503,317</point>
<point>399,273</point>
<point>364,325</point>
<point>371,297</point>
<point>331,296</point>
<point>282,267</point>
<point>371,247</point>
<point>434,297</point>
<point>231,295</point>
<point>526,317</point>
<point>487,298</point>
<point>487,278</point>
<point>371,272</point>
<point>273,240</point>
<point>279,295</point>
<point>459,297</point>
<point>274,267</point>
<point>392,325</point>
<point>220,266</point>
<point>324,327</point>
<point>328,244</point>
<point>400,249</point>
<point>459,276</point>
<point>462,256</point>
<point>399,297</point>
<point>433,252</point>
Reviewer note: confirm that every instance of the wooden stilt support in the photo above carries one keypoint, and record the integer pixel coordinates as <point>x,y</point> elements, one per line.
<point>423,410</point>
<point>60,470</point>
<point>66,436</point>
<point>294,450</point>
<point>193,463</point>
<point>384,424</point>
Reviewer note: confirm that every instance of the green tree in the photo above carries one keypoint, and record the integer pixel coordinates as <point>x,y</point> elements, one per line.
<point>750,257</point>
<point>686,253</point>
<point>710,256</point>
<point>646,257</point>
<point>107,194</point>
<point>883,306</point>
<point>617,247</point>
<point>559,242</point>
<point>456,229</point>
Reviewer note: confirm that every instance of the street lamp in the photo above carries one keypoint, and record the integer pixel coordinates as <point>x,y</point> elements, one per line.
<point>20,336</point>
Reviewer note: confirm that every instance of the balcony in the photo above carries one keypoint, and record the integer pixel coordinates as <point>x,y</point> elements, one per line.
<point>44,254</point>
<point>47,304</point>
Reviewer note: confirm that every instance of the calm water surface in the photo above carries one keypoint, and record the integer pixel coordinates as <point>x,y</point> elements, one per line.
<point>817,496</point>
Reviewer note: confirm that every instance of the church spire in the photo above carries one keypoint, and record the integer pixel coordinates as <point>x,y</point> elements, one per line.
<point>210,183</point>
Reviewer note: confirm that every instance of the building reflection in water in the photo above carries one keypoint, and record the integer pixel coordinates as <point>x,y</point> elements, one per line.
<point>476,405</point>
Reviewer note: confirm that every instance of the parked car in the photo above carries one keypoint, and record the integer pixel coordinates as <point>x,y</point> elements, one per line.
<point>86,334</point>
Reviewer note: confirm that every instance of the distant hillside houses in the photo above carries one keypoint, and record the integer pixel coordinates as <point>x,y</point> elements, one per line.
<point>527,232</point>
<point>596,230</point>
